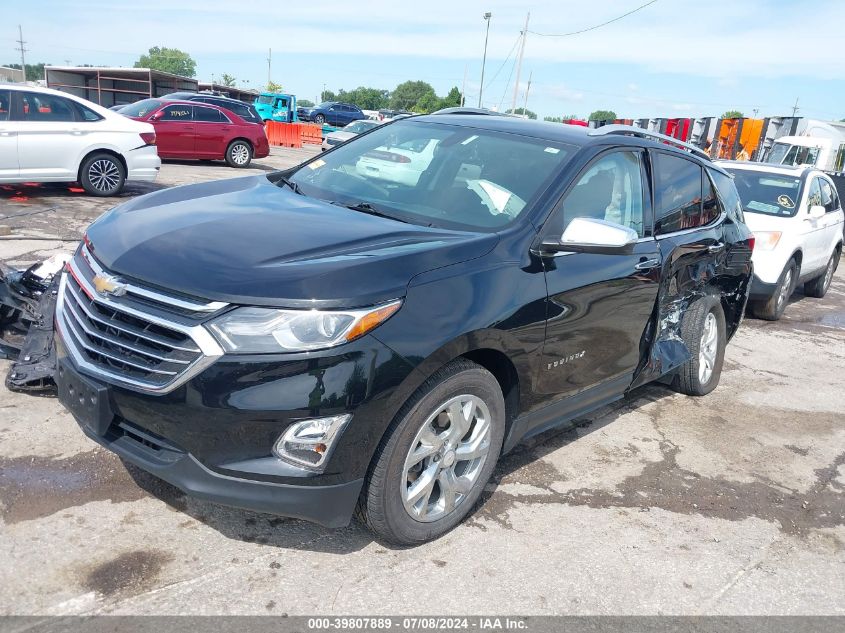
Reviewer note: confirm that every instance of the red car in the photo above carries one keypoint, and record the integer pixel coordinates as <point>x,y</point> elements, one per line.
<point>186,129</point>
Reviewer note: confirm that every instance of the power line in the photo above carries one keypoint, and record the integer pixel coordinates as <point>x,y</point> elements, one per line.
<point>597,26</point>
<point>496,74</point>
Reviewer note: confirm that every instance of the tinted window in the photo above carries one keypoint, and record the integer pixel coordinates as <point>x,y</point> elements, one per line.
<point>828,196</point>
<point>710,209</point>
<point>141,108</point>
<point>611,189</point>
<point>677,194</point>
<point>178,112</point>
<point>44,107</point>
<point>239,109</point>
<point>5,104</point>
<point>438,175</point>
<point>730,196</point>
<point>209,115</point>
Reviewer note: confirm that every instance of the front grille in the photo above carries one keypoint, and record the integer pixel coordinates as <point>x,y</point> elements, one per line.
<point>119,340</point>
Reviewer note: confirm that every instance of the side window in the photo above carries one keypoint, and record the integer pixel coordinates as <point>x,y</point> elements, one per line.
<point>87,114</point>
<point>177,112</point>
<point>241,110</point>
<point>730,196</point>
<point>208,115</point>
<point>828,196</point>
<point>709,201</point>
<point>5,104</point>
<point>611,189</point>
<point>677,188</point>
<point>45,107</point>
<point>814,197</point>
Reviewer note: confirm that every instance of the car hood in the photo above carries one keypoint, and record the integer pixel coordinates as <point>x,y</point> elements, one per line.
<point>765,222</point>
<point>342,136</point>
<point>249,241</point>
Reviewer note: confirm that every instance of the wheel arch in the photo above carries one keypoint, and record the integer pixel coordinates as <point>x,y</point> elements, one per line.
<point>101,150</point>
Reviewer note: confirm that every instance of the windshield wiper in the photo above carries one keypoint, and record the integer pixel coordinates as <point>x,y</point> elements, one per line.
<point>290,183</point>
<point>366,207</point>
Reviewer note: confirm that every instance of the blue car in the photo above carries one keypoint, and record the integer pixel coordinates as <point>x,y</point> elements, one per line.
<point>331,112</point>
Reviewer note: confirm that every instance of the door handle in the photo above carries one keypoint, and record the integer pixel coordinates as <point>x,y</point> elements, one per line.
<point>647,264</point>
<point>77,132</point>
<point>716,248</point>
<point>5,133</point>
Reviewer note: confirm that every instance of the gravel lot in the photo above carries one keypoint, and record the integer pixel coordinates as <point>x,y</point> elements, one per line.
<point>660,504</point>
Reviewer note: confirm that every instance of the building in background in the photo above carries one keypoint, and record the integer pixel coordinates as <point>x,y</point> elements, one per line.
<point>11,75</point>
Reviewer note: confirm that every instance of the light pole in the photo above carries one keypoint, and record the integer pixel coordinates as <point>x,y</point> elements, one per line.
<point>487,17</point>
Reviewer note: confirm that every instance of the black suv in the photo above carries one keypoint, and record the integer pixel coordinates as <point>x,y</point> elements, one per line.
<point>375,327</point>
<point>244,110</point>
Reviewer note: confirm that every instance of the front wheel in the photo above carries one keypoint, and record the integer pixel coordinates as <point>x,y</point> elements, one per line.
<point>319,119</point>
<point>704,333</point>
<point>239,154</point>
<point>433,464</point>
<point>102,175</point>
<point>818,287</point>
<point>772,309</point>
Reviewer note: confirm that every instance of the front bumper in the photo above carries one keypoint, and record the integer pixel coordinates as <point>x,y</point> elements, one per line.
<point>761,290</point>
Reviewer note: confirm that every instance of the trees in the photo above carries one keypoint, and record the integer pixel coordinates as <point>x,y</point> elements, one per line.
<point>228,80</point>
<point>453,99</point>
<point>407,94</point>
<point>305,103</point>
<point>272,86</point>
<point>602,115</point>
<point>733,114</point>
<point>522,111</point>
<point>34,72</point>
<point>168,60</point>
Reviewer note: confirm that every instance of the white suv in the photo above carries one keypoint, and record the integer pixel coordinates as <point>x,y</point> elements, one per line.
<point>797,220</point>
<point>50,136</point>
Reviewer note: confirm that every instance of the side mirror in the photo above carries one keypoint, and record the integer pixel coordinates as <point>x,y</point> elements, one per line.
<point>590,235</point>
<point>156,116</point>
<point>817,211</point>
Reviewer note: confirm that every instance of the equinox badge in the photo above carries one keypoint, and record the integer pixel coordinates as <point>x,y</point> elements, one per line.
<point>567,359</point>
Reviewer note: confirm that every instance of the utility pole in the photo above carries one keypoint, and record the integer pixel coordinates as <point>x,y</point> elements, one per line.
<point>487,17</point>
<point>269,66</point>
<point>519,63</point>
<point>795,108</point>
<point>464,87</point>
<point>527,88</point>
<point>23,51</point>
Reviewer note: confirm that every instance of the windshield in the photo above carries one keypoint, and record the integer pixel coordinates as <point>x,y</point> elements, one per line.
<point>787,154</point>
<point>265,99</point>
<point>141,108</point>
<point>767,193</point>
<point>360,126</point>
<point>437,175</point>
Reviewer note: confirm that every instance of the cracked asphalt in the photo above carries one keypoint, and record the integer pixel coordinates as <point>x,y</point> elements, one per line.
<point>659,504</point>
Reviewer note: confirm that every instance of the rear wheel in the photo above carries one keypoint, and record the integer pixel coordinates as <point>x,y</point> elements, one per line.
<point>704,333</point>
<point>239,154</point>
<point>434,463</point>
<point>102,175</point>
<point>818,287</point>
<point>772,309</point>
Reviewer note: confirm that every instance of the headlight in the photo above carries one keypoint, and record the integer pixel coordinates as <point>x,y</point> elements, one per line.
<point>766,240</point>
<point>267,330</point>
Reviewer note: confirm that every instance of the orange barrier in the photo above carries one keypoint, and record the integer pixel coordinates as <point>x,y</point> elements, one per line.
<point>283,134</point>
<point>311,133</point>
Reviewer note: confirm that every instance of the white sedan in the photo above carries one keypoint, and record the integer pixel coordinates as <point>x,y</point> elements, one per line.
<point>350,131</point>
<point>796,216</point>
<point>51,136</point>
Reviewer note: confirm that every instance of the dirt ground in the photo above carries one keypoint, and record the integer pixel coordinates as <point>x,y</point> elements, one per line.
<point>660,504</point>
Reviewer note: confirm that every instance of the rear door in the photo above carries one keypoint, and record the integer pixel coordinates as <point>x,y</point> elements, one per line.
<point>211,129</point>
<point>816,233</point>
<point>8,140</point>
<point>833,216</point>
<point>175,132</point>
<point>51,139</point>
<point>599,305</point>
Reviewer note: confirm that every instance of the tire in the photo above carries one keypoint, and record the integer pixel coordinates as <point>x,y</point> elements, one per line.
<point>387,502</point>
<point>818,287</point>
<point>319,119</point>
<point>700,374</point>
<point>102,175</point>
<point>239,154</point>
<point>772,309</point>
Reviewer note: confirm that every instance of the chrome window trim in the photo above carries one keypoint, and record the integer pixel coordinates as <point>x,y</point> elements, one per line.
<point>138,291</point>
<point>703,227</point>
<point>209,348</point>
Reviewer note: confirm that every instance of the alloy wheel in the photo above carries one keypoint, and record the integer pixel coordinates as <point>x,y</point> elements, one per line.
<point>446,458</point>
<point>785,288</point>
<point>708,348</point>
<point>104,175</point>
<point>240,154</point>
<point>828,274</point>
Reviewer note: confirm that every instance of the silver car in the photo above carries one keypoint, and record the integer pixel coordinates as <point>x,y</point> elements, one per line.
<point>350,131</point>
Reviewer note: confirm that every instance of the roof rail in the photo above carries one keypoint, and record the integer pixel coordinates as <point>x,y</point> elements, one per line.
<point>642,133</point>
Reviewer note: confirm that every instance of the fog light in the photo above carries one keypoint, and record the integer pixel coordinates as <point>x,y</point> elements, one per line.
<point>309,443</point>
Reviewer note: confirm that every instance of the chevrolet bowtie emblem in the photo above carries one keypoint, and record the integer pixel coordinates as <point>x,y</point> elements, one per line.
<point>107,285</point>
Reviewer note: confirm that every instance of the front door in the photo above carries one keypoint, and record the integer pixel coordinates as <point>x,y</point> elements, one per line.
<point>8,140</point>
<point>175,132</point>
<point>599,305</point>
<point>50,139</point>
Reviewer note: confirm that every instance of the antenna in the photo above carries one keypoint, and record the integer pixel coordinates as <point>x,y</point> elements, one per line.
<point>23,50</point>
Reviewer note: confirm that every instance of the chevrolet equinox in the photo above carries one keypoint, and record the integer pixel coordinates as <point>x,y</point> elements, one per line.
<point>373,328</point>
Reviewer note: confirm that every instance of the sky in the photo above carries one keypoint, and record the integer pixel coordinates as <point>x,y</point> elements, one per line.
<point>673,58</point>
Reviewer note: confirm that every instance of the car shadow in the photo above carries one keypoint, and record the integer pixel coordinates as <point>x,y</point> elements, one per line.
<point>222,164</point>
<point>285,533</point>
<point>29,191</point>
